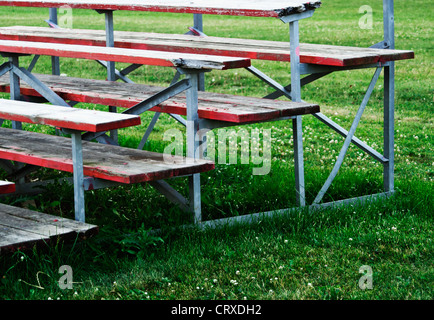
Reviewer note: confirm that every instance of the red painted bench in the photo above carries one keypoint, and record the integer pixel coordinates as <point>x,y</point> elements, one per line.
<point>234,109</point>
<point>190,64</point>
<point>223,7</point>
<point>212,106</point>
<point>318,54</point>
<point>155,58</point>
<point>123,165</point>
<point>7,187</point>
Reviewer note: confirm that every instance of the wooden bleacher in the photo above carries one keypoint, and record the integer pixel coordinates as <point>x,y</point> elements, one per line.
<point>212,106</point>
<point>124,165</point>
<point>318,54</point>
<point>22,228</point>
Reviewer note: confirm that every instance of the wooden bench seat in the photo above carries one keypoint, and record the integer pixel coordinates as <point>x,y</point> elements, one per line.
<point>213,106</point>
<point>64,117</point>
<point>113,163</point>
<point>329,55</point>
<point>23,228</point>
<point>7,187</point>
<point>145,57</point>
<point>101,161</point>
<point>224,7</point>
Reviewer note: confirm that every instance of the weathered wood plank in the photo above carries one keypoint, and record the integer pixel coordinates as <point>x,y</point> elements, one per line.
<point>340,56</point>
<point>64,117</point>
<point>43,218</point>
<point>107,162</point>
<point>213,106</point>
<point>11,238</point>
<point>22,228</point>
<point>145,57</point>
<point>28,225</point>
<point>257,8</point>
<point>7,187</point>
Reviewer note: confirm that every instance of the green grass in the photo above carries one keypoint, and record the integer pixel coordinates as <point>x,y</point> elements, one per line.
<point>299,256</point>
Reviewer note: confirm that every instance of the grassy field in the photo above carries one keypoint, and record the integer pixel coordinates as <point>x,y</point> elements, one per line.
<point>300,256</point>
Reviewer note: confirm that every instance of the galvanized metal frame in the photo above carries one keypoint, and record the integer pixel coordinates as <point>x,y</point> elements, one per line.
<point>293,91</point>
<point>175,88</point>
<point>188,85</point>
<point>17,73</point>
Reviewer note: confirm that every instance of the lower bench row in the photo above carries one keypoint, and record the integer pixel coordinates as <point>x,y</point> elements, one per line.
<point>101,161</point>
<point>114,163</point>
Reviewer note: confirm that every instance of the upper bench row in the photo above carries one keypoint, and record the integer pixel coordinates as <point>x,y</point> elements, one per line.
<point>328,55</point>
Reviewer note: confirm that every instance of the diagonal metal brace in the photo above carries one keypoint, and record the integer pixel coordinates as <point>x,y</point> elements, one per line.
<point>348,138</point>
<point>5,68</point>
<point>39,86</point>
<point>159,97</point>
<point>171,194</point>
<point>149,103</point>
<point>356,141</point>
<point>277,86</point>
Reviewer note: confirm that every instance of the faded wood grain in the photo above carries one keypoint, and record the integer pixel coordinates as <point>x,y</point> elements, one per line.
<point>103,161</point>
<point>22,228</point>
<point>145,57</point>
<point>213,106</point>
<point>257,8</point>
<point>64,117</point>
<point>340,56</point>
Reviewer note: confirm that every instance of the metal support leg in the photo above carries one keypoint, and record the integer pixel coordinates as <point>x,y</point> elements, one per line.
<point>78,176</point>
<point>349,137</point>
<point>193,144</point>
<point>110,42</point>
<point>389,24</point>
<point>111,69</point>
<point>55,61</point>
<point>15,88</point>
<point>15,94</point>
<point>389,97</point>
<point>297,122</point>
<point>389,127</point>
<point>198,24</point>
